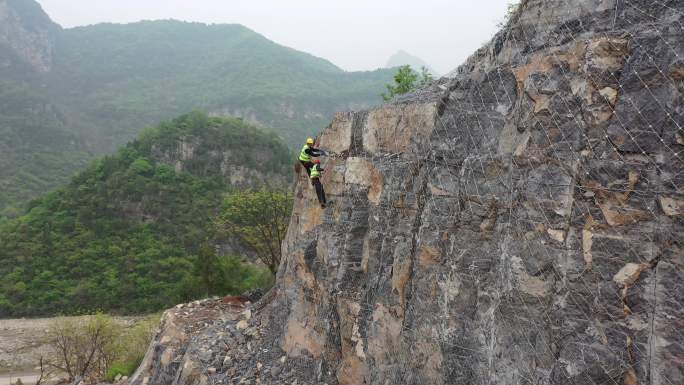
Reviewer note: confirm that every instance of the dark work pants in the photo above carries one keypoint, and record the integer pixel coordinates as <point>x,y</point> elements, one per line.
<point>307,166</point>
<point>319,190</point>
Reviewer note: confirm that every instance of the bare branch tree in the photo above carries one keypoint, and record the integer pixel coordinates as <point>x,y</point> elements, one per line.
<point>82,348</point>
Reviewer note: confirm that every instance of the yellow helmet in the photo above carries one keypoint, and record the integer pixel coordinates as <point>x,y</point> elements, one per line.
<point>310,141</point>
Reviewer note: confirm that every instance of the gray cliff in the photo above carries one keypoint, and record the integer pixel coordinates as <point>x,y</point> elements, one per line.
<point>518,222</point>
<point>28,33</point>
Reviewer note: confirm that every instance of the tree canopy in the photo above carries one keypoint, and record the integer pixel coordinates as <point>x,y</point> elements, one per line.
<point>260,219</point>
<point>130,233</point>
<point>407,80</point>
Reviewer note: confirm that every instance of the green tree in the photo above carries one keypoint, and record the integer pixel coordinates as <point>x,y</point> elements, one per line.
<point>210,270</point>
<point>259,218</point>
<point>141,166</point>
<point>407,80</point>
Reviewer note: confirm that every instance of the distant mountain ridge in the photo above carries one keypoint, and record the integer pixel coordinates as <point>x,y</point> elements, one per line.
<point>67,95</point>
<point>402,58</point>
<point>125,233</point>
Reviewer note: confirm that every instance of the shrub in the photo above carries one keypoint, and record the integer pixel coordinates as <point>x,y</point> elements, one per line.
<point>98,347</point>
<point>135,339</point>
<point>83,347</point>
<point>120,368</point>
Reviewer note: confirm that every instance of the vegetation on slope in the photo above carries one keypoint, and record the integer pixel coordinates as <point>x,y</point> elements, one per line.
<point>108,81</point>
<point>36,153</point>
<point>143,72</point>
<point>130,234</point>
<point>36,148</point>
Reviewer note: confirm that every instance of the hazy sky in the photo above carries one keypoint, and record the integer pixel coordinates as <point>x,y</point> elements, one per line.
<point>354,34</point>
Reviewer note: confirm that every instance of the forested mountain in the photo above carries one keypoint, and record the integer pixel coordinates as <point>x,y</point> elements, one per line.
<point>67,95</point>
<point>126,233</point>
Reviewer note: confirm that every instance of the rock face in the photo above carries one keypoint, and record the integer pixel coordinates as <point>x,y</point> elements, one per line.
<point>198,156</point>
<point>28,32</point>
<point>519,222</point>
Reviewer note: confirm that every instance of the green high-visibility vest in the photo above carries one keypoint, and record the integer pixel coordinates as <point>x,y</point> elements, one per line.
<point>315,172</point>
<point>303,156</point>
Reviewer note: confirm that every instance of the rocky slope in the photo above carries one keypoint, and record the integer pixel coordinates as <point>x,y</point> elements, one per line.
<point>27,32</point>
<point>517,223</point>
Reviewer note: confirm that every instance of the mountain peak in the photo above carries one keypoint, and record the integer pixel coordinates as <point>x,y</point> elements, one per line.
<point>402,58</point>
<point>28,32</point>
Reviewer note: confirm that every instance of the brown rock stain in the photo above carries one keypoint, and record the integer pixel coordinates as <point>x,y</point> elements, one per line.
<point>352,371</point>
<point>620,216</point>
<point>401,273</point>
<point>677,72</point>
<point>537,64</point>
<point>337,137</point>
<point>587,242</point>
<point>304,275</point>
<point>606,53</point>
<point>488,223</point>
<point>545,62</point>
<point>300,336</point>
<point>362,172</point>
<point>631,377</point>
<point>671,207</point>
<point>609,95</point>
<point>384,333</point>
<point>614,205</point>
<point>431,360</point>
<point>628,276</point>
<point>436,191</point>
<point>311,216</point>
<point>392,128</point>
<point>429,256</point>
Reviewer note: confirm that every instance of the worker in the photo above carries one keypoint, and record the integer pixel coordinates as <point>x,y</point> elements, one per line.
<point>315,176</point>
<point>308,152</point>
